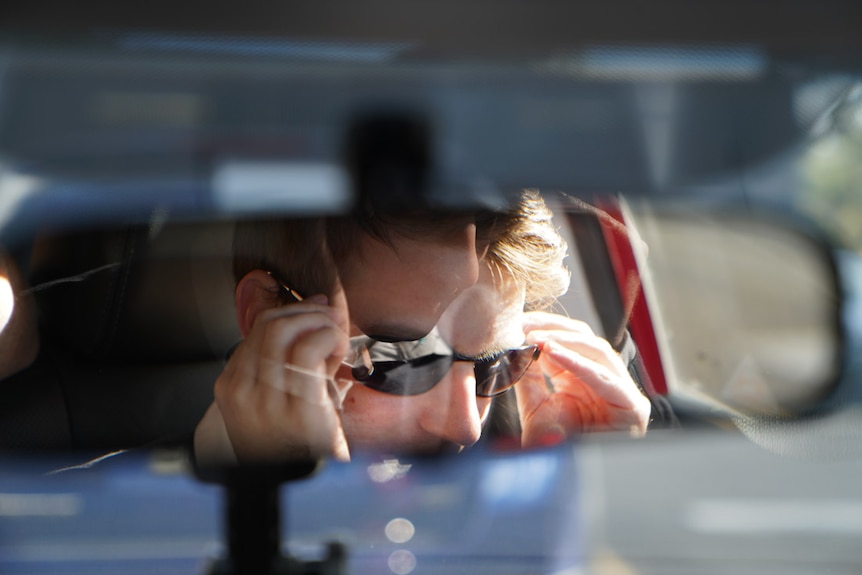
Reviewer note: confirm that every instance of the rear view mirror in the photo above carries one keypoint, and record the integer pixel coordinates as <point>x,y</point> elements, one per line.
<point>743,316</point>
<point>746,309</point>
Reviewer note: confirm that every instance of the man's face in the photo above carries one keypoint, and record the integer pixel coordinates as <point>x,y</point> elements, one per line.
<point>398,290</point>
<point>480,320</point>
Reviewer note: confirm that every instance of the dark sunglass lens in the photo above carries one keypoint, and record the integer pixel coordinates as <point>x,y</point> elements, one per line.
<point>491,380</point>
<point>496,375</point>
<point>411,377</point>
<point>521,359</point>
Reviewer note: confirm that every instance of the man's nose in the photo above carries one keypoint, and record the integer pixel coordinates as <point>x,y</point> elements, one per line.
<point>452,412</point>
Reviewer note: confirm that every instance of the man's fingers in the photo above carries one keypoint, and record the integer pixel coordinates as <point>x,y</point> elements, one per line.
<point>592,388</point>
<point>590,346</point>
<point>306,373</point>
<point>531,391</point>
<point>618,391</point>
<point>307,340</point>
<point>308,306</point>
<point>275,336</point>
<point>285,342</point>
<point>540,320</point>
<point>274,392</point>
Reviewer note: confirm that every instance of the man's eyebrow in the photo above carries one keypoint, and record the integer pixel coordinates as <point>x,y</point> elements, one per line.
<point>391,338</point>
<point>395,334</point>
<point>486,352</point>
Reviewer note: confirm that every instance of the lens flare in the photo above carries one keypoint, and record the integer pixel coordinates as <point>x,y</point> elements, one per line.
<point>402,562</point>
<point>400,530</point>
<point>7,302</point>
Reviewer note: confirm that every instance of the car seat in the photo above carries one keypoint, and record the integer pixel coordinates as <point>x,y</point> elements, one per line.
<point>134,325</point>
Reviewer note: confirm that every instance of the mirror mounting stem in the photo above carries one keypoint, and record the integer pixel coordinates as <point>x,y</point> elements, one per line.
<point>252,516</point>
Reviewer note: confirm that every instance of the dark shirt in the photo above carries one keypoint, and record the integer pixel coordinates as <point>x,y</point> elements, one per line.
<point>662,415</point>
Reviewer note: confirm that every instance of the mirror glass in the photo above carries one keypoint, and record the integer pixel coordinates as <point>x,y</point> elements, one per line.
<point>748,308</point>
<point>283,338</point>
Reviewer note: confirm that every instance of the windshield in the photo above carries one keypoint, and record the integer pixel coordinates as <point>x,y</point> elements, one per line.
<point>485,280</point>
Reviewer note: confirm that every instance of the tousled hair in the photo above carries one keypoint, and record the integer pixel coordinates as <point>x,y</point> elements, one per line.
<point>295,251</point>
<point>526,247</point>
<point>522,244</point>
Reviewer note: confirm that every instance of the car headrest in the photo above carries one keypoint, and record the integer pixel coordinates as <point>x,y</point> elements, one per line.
<point>138,294</point>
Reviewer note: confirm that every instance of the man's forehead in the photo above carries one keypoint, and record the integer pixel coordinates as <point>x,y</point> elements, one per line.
<point>433,227</point>
<point>483,319</point>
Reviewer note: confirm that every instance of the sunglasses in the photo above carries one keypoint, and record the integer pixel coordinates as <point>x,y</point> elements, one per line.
<point>406,368</point>
<point>414,367</point>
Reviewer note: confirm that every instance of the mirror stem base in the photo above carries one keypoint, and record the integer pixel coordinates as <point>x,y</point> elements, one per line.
<point>253,521</point>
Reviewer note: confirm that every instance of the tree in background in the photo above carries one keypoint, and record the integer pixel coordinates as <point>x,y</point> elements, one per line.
<point>833,171</point>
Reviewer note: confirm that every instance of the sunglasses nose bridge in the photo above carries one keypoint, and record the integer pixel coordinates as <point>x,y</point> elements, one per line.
<point>358,359</point>
<point>467,367</point>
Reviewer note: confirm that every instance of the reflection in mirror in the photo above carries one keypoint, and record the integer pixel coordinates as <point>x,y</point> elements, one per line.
<point>417,335</point>
<point>748,309</point>
<point>288,339</point>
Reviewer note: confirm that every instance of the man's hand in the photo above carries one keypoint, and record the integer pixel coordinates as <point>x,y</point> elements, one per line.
<point>578,385</point>
<point>273,395</point>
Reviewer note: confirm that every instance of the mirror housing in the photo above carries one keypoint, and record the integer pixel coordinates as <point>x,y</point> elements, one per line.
<point>747,308</point>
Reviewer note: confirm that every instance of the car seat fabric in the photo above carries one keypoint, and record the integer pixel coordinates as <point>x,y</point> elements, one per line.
<point>134,325</point>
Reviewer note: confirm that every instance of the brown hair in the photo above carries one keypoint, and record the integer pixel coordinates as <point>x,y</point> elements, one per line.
<point>523,245</point>
<point>526,247</point>
<point>306,254</point>
<point>295,251</point>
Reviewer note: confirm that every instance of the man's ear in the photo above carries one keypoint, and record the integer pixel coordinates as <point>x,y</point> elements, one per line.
<point>255,293</point>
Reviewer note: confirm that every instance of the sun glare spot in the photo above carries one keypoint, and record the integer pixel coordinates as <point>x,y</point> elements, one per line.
<point>7,302</point>
<point>400,530</point>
